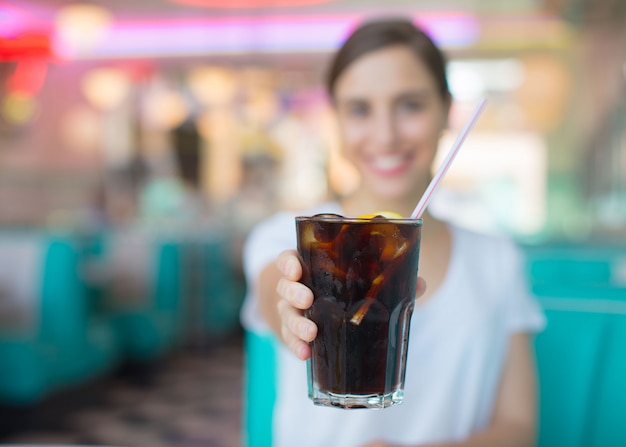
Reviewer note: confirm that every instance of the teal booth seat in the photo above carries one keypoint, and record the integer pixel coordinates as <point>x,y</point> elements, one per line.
<point>64,344</point>
<point>577,270</point>
<point>213,290</point>
<point>582,373</point>
<point>581,355</point>
<point>222,292</point>
<point>140,287</point>
<point>608,425</point>
<point>259,389</point>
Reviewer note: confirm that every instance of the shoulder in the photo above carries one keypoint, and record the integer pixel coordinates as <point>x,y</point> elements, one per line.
<point>498,247</point>
<point>275,224</point>
<point>495,261</point>
<point>495,264</point>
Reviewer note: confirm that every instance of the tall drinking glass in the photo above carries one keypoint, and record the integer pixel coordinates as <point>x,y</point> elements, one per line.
<point>363,274</point>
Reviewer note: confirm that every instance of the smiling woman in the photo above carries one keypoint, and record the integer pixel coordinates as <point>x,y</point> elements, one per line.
<point>469,375</point>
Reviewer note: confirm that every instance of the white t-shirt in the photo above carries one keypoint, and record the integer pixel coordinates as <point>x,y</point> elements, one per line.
<point>457,346</point>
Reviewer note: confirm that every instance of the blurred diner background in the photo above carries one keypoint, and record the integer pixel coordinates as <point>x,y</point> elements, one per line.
<point>141,140</point>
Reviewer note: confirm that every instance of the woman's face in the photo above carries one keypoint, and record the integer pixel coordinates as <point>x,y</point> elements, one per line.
<point>391,116</point>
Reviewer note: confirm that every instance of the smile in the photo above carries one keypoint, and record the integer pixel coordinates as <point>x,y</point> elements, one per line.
<point>389,164</point>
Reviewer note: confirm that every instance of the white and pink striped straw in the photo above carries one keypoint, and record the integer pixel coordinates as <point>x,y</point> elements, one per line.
<point>434,183</point>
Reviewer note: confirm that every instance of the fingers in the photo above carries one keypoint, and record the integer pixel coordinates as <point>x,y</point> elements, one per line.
<point>296,331</point>
<point>293,321</point>
<point>289,265</point>
<point>296,294</point>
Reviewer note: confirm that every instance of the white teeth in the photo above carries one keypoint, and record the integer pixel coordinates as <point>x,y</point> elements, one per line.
<point>387,162</point>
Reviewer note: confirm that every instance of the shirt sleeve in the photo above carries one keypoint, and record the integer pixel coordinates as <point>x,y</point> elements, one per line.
<point>522,312</point>
<point>264,243</point>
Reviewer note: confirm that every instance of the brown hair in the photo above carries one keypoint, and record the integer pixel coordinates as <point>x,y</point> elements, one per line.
<point>375,35</point>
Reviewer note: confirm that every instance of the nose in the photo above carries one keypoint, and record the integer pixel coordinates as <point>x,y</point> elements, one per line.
<point>384,131</point>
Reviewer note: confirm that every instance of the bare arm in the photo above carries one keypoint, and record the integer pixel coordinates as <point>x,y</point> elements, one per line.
<point>514,421</point>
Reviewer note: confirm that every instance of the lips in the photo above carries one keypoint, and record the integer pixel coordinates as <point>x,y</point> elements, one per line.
<point>389,164</point>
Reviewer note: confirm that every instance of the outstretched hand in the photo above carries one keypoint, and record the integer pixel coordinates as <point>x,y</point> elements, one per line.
<point>296,330</point>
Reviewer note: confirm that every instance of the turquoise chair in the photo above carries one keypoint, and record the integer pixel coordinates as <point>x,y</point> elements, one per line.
<point>155,326</point>
<point>85,344</point>
<point>581,354</point>
<point>569,356</point>
<point>24,358</point>
<point>223,292</point>
<point>68,345</point>
<point>582,371</point>
<point>259,389</point>
<point>608,422</point>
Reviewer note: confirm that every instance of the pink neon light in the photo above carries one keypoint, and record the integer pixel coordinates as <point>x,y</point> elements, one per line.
<point>246,4</point>
<point>15,22</point>
<point>257,34</point>
<point>11,21</point>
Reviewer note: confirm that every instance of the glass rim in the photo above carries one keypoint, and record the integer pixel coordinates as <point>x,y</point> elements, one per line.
<point>360,220</point>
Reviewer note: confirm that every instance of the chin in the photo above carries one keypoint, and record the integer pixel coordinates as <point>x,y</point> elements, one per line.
<point>392,191</point>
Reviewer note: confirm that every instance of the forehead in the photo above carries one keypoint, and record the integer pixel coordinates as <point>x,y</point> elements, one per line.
<point>385,72</point>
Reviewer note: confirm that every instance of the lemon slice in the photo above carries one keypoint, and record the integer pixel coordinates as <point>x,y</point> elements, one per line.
<point>387,214</point>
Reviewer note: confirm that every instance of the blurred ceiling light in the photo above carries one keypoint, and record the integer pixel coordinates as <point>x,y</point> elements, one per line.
<point>165,109</point>
<point>261,108</point>
<point>81,129</point>
<point>465,85</point>
<point>106,88</point>
<point>212,86</point>
<point>470,79</point>
<point>80,27</point>
<point>254,79</point>
<point>545,91</point>
<point>237,4</point>
<point>19,108</point>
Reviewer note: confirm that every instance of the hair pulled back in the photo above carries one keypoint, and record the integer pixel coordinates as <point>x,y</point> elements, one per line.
<point>379,34</point>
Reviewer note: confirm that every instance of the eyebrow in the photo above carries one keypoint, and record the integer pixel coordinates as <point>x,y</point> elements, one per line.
<point>407,94</point>
<point>421,94</point>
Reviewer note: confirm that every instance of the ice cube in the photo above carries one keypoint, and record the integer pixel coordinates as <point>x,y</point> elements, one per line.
<point>327,227</point>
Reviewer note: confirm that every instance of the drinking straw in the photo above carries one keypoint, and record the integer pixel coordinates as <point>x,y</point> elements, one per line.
<point>434,183</point>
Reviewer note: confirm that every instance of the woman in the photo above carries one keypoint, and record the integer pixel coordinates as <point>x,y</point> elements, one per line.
<point>470,372</point>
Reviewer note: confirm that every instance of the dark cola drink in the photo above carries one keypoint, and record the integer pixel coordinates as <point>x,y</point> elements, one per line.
<point>363,274</point>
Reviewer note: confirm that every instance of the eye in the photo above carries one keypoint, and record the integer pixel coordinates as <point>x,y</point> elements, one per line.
<point>357,109</point>
<point>411,105</point>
